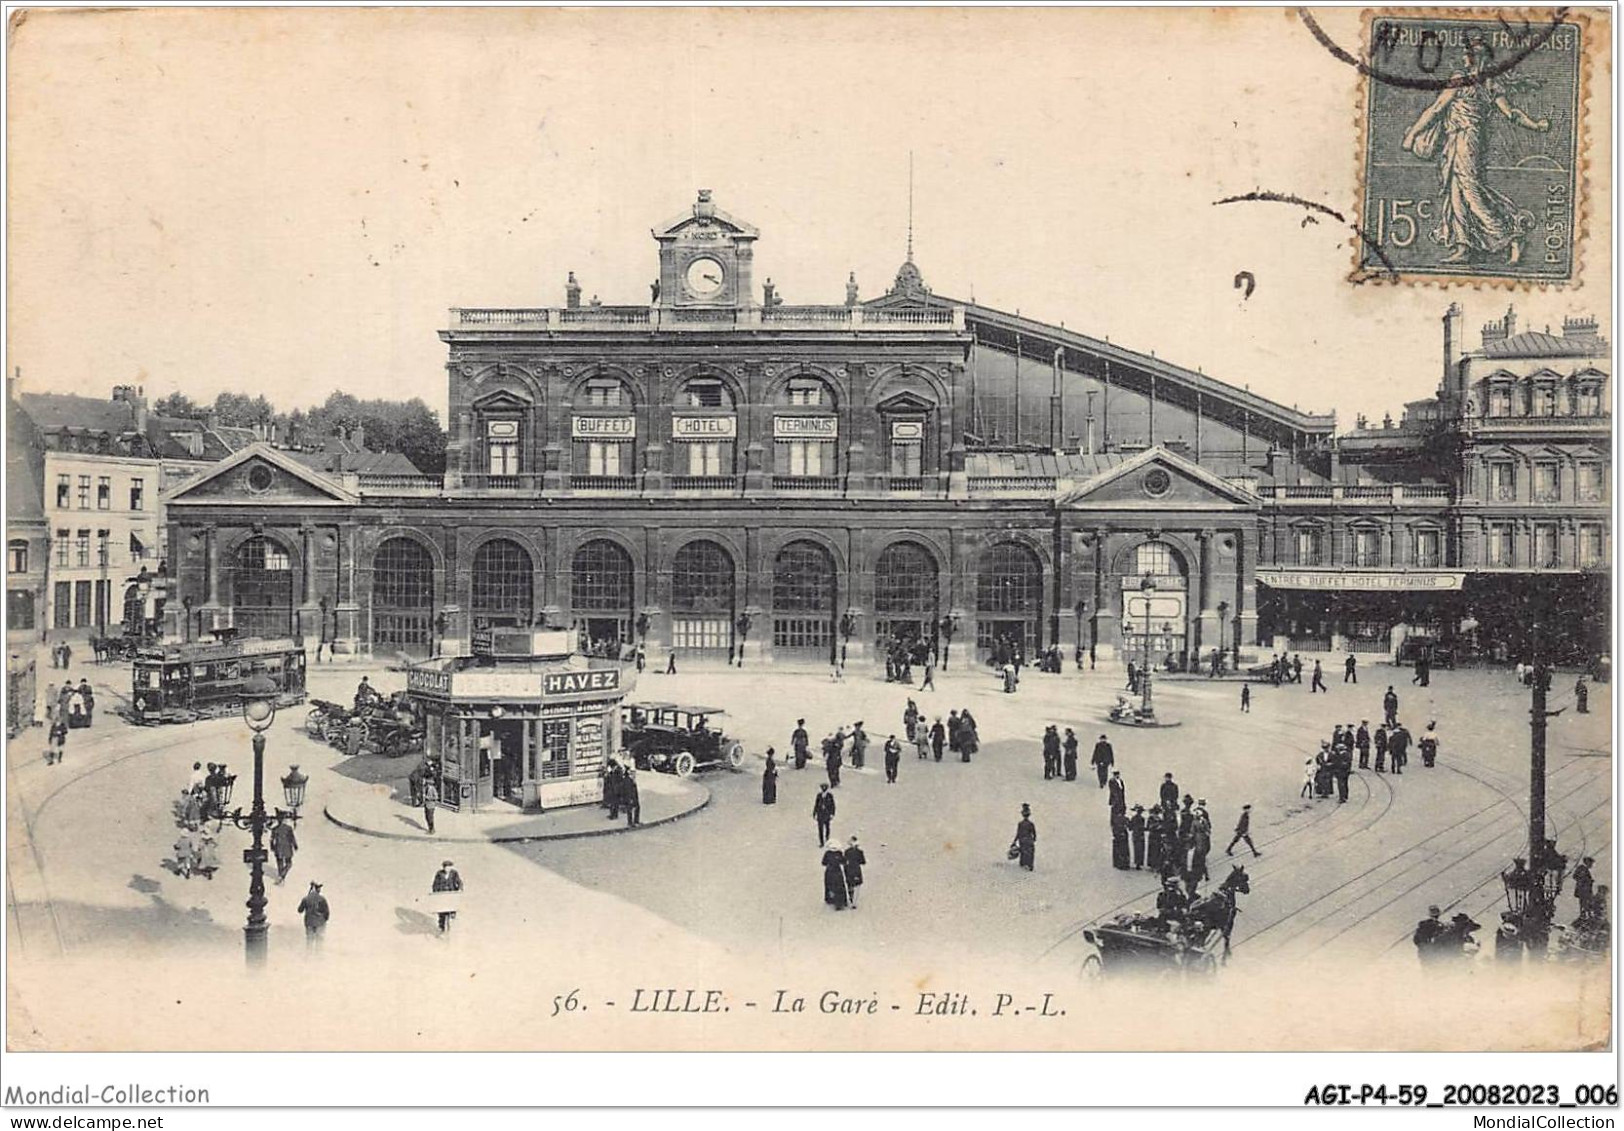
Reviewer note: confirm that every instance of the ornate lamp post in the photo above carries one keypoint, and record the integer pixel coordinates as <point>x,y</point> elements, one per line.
<point>1080,610</point>
<point>1147,590</point>
<point>743,625</point>
<point>848,629</point>
<point>1531,890</point>
<point>1223,634</point>
<point>259,711</point>
<point>948,626</point>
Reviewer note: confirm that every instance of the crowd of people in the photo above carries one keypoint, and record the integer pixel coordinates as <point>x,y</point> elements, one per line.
<point>1328,771</point>
<point>197,851</point>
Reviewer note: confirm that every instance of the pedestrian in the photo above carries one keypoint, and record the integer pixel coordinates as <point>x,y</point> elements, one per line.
<point>1518,671</point>
<point>1246,698</point>
<point>67,655</point>
<point>1310,773</point>
<point>613,791</point>
<point>938,738</point>
<point>893,758</point>
<point>1119,840</point>
<point>1169,794</point>
<point>1507,939</point>
<point>316,912</point>
<point>823,812</point>
<point>1350,669</point>
<point>798,743</point>
<point>1318,682</point>
<point>1390,706</point>
<point>969,740</point>
<point>1341,769</point>
<point>642,658</point>
<point>1155,828</point>
<point>1136,835</point>
<point>1025,846</point>
<point>447,892</point>
<point>186,852</point>
<point>953,730</point>
<point>1200,845</point>
<point>1068,756</point>
<point>1117,792</point>
<point>835,893</point>
<point>922,741</point>
<point>1051,753</point>
<point>1361,740</point>
<point>852,861</point>
<point>208,855</point>
<point>283,845</point>
<point>671,662</point>
<point>1428,743</point>
<point>89,698</point>
<point>1133,676</point>
<point>1581,695</point>
<point>1398,748</point>
<point>859,745</point>
<point>431,801</point>
<point>832,760</point>
<point>50,699</point>
<point>1243,832</point>
<point>929,683</point>
<point>631,797</point>
<point>910,719</point>
<point>1584,884</point>
<point>1297,668</point>
<point>1427,937</point>
<point>1103,759</point>
<point>769,780</point>
<point>76,707</point>
<point>1380,739</point>
<point>56,741</point>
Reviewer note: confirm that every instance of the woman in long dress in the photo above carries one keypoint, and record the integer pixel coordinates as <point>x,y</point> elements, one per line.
<point>769,780</point>
<point>1026,838</point>
<point>834,878</point>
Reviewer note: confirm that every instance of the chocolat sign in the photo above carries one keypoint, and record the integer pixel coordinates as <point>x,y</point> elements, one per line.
<point>595,682</point>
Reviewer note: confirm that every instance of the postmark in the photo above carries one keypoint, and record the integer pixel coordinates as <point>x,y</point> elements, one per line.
<point>1472,147</point>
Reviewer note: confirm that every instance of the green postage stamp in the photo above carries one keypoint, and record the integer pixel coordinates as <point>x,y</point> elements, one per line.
<point>1473,155</point>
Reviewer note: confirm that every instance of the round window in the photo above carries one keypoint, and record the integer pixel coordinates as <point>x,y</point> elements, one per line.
<point>1157,482</point>
<point>259,478</point>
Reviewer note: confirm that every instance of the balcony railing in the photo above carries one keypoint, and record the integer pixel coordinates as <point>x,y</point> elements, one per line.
<point>807,483</point>
<point>479,481</point>
<point>603,482</point>
<point>600,318</point>
<point>1590,420</point>
<point>905,482</point>
<point>400,484</point>
<point>704,482</point>
<point>1372,492</point>
<point>1010,485</point>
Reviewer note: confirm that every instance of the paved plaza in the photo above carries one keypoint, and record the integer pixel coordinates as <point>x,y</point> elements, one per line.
<point>737,885</point>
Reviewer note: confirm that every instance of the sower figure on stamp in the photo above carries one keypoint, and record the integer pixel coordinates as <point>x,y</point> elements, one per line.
<point>1473,219</point>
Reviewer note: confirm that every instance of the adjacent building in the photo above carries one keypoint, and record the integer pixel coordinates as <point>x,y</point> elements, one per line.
<point>723,474</point>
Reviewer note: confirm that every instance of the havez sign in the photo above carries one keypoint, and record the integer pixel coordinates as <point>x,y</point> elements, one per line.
<point>581,683</point>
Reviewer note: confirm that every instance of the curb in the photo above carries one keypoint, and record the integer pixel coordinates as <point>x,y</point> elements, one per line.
<point>617,829</point>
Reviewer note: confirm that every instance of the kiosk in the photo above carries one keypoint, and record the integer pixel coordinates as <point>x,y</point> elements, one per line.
<point>523,721</point>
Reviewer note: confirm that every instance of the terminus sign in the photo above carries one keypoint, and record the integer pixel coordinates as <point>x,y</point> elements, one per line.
<point>1356,581</point>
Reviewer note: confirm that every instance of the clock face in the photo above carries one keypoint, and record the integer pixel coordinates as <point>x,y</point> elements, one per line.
<point>704,277</point>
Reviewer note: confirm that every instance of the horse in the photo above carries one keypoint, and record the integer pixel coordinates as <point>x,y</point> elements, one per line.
<point>1218,909</point>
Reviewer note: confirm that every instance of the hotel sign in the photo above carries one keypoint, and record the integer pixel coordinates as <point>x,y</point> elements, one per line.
<point>603,427</point>
<point>806,427</point>
<point>704,427</point>
<point>1363,581</point>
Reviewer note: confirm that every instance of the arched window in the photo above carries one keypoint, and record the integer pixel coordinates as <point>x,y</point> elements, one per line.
<point>704,434</point>
<point>702,599</point>
<point>402,595</point>
<point>604,431</point>
<point>804,603</point>
<point>806,434</point>
<point>1156,559</point>
<point>601,592</point>
<point>1009,600</point>
<point>503,584</point>
<point>905,593</point>
<point>262,588</point>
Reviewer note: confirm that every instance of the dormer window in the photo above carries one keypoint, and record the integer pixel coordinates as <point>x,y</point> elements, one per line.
<point>1500,401</point>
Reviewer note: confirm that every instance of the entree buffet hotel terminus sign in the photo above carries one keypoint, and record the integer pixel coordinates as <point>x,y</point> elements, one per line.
<point>1352,580</point>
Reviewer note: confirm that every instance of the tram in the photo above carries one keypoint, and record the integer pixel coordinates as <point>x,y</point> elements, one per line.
<point>179,683</point>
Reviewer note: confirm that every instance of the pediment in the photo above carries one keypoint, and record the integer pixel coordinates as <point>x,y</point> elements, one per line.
<point>260,475</point>
<point>502,400</point>
<point>1160,480</point>
<point>906,402</point>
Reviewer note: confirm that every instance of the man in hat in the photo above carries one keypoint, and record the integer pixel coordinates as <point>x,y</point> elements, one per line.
<point>1171,903</point>
<point>893,757</point>
<point>1243,831</point>
<point>431,801</point>
<point>852,860</point>
<point>1428,934</point>
<point>1170,789</point>
<point>283,846</point>
<point>1390,707</point>
<point>1103,759</point>
<point>1119,840</point>
<point>832,758</point>
<point>823,812</point>
<point>1068,755</point>
<point>1361,741</point>
<point>938,739</point>
<point>859,746</point>
<point>446,881</point>
<point>1117,792</point>
<point>1051,753</point>
<point>630,798</point>
<point>89,698</point>
<point>316,913</point>
<point>1136,835</point>
<point>1584,884</point>
<point>1200,843</point>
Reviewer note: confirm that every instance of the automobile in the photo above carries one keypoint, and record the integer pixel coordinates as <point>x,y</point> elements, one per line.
<point>677,738</point>
<point>1414,647</point>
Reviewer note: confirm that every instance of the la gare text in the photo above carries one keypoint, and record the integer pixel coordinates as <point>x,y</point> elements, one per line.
<point>940,1003</point>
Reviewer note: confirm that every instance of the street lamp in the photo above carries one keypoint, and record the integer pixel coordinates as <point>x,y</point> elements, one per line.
<point>948,627</point>
<point>1147,590</point>
<point>259,711</point>
<point>1531,891</point>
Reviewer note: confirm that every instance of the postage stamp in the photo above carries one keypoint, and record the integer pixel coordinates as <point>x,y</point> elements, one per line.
<point>1473,146</point>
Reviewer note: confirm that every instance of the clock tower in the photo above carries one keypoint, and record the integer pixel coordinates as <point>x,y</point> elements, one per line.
<point>705,258</point>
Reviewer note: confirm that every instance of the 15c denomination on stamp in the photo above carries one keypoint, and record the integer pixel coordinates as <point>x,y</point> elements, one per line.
<point>1473,146</point>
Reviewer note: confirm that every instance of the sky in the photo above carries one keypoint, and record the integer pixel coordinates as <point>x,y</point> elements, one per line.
<point>287,202</point>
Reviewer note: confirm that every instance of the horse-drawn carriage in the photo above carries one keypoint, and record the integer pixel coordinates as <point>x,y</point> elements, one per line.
<point>385,726</point>
<point>1179,940</point>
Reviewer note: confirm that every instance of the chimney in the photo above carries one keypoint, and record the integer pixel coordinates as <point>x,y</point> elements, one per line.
<point>211,419</point>
<point>1088,426</point>
<point>1056,404</point>
<point>572,293</point>
<point>1273,456</point>
<point>851,289</point>
<point>1579,327</point>
<point>1452,318</point>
